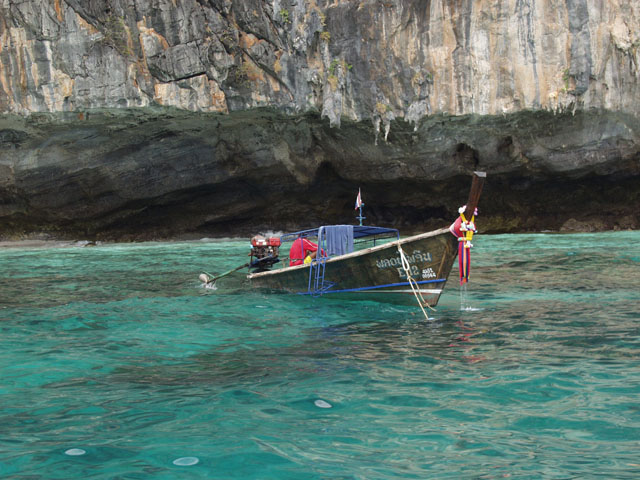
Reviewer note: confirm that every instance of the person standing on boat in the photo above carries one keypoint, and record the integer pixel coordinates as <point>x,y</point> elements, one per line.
<point>300,250</point>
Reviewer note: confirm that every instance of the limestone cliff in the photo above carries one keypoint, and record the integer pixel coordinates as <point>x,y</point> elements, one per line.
<point>138,118</point>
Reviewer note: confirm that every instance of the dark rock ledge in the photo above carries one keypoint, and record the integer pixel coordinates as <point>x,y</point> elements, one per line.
<point>157,173</point>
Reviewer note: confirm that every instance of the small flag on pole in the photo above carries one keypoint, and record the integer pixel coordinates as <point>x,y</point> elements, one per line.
<point>359,205</point>
<point>358,200</point>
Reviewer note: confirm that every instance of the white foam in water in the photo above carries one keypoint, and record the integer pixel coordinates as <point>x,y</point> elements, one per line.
<point>74,452</point>
<point>464,298</point>
<point>322,404</point>
<point>465,306</point>
<point>186,461</point>
<point>210,286</point>
<point>472,309</point>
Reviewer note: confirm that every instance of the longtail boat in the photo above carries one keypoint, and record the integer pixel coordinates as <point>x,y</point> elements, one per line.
<point>367,261</point>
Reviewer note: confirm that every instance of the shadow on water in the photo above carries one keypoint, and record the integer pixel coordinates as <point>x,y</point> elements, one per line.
<point>364,334</point>
<point>341,342</point>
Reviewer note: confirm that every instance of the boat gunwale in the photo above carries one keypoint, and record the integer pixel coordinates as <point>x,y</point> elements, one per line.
<point>358,253</point>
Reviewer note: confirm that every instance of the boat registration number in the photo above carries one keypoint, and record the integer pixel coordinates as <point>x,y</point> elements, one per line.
<point>415,272</point>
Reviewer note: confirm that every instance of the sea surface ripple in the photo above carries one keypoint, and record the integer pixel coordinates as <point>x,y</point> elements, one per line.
<point>116,363</point>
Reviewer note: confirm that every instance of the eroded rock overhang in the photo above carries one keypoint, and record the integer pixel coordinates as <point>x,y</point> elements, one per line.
<point>155,173</point>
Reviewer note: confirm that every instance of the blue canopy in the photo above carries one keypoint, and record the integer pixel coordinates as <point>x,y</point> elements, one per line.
<point>359,231</point>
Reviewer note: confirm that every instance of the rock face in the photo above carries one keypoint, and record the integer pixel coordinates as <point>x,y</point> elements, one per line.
<point>154,118</point>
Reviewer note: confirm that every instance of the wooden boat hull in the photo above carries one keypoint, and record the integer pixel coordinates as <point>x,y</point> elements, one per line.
<point>373,272</point>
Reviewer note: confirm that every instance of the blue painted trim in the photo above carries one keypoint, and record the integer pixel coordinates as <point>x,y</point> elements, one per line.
<point>361,289</point>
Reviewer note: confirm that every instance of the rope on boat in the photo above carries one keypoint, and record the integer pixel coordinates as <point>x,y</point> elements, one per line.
<point>412,283</point>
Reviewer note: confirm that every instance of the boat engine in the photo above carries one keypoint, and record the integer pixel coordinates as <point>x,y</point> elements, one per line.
<point>265,251</point>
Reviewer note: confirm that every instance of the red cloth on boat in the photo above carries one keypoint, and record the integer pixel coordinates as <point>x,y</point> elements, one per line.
<point>300,249</point>
<point>464,250</point>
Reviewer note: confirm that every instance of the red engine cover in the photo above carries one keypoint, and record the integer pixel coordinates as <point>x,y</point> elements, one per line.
<point>259,241</point>
<point>274,241</point>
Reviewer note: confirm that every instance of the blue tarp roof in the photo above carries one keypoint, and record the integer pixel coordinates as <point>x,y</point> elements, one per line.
<point>359,231</point>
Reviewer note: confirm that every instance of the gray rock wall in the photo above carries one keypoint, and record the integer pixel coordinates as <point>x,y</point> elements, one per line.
<point>147,117</point>
<point>358,60</point>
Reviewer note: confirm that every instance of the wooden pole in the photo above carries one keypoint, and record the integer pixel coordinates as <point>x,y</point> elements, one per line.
<point>212,278</point>
<point>474,193</point>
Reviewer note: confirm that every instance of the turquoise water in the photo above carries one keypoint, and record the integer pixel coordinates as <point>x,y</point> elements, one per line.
<point>116,364</point>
